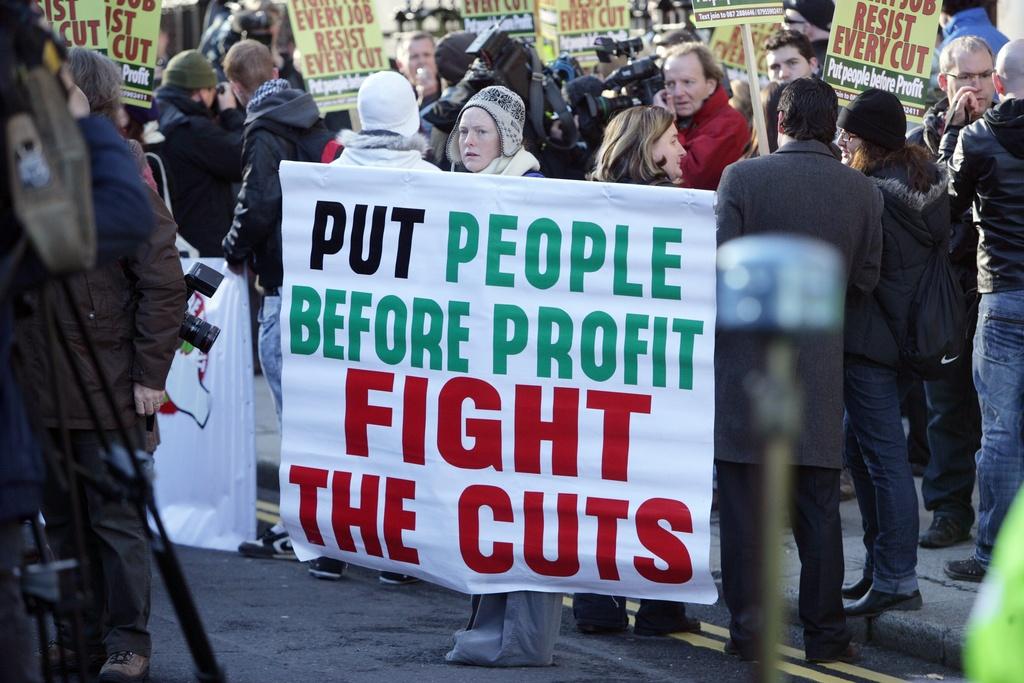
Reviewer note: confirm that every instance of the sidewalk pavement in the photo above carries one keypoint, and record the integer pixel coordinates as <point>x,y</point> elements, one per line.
<point>934,633</point>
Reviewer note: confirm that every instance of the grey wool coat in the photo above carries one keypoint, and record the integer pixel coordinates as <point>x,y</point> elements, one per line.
<point>801,189</point>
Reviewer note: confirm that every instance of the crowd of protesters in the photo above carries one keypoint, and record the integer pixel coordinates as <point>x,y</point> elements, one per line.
<point>955,184</point>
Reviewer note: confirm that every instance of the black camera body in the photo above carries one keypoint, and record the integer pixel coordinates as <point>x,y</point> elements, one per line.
<point>637,82</point>
<point>195,330</point>
<point>607,47</point>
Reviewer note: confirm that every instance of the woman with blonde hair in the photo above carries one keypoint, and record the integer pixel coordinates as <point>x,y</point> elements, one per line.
<point>640,147</point>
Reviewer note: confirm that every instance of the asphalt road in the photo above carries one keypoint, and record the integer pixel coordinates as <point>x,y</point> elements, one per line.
<point>268,620</point>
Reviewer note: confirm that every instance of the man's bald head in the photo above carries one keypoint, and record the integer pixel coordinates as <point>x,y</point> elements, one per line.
<point>1009,76</point>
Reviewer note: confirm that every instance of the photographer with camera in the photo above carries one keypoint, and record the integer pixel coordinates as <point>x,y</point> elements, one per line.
<point>134,309</point>
<point>712,133</point>
<point>202,149</point>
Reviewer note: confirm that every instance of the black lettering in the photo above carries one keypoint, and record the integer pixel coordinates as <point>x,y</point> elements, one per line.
<point>407,219</point>
<point>321,244</point>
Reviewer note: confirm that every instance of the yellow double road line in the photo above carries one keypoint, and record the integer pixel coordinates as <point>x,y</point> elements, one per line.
<point>270,513</point>
<point>713,637</point>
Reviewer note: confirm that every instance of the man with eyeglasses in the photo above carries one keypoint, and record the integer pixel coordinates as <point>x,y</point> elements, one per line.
<point>954,421</point>
<point>986,171</point>
<point>813,18</point>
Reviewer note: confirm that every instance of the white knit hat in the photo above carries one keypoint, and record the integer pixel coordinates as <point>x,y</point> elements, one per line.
<point>387,101</point>
<point>509,114</point>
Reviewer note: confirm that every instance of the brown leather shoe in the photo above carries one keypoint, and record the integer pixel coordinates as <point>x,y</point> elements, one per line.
<point>124,667</point>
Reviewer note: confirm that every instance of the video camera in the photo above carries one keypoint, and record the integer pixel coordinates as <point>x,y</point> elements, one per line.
<point>638,81</point>
<point>194,329</point>
<point>506,61</point>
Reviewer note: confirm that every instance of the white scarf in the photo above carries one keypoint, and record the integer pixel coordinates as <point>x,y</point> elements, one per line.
<point>521,163</point>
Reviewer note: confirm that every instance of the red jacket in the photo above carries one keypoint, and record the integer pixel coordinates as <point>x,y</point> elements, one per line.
<point>714,139</point>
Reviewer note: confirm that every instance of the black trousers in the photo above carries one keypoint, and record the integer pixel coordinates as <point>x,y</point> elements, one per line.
<point>606,611</point>
<point>118,555</point>
<point>819,541</point>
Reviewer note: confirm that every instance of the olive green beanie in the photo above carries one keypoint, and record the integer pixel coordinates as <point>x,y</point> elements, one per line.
<point>190,70</point>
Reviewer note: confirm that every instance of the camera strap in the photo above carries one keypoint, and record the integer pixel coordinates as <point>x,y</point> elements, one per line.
<point>544,91</point>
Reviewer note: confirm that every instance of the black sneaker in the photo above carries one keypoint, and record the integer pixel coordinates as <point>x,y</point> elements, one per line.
<point>327,568</point>
<point>965,570</point>
<point>943,533</point>
<point>396,579</point>
<point>270,546</point>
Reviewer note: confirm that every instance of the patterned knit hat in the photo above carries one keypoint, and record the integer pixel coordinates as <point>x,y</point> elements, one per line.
<point>509,114</point>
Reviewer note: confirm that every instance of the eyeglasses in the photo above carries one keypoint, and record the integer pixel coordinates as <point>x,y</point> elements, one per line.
<point>964,78</point>
<point>845,137</point>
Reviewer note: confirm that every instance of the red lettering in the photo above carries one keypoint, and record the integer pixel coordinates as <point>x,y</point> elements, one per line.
<point>662,542</point>
<point>344,515</point>
<point>618,408</point>
<point>308,479</point>
<point>414,420</point>
<point>859,11</point>
<point>470,502</point>
<point>359,414</point>
<point>608,513</point>
<point>562,430</point>
<point>397,519</point>
<point>486,434</point>
<point>567,560</point>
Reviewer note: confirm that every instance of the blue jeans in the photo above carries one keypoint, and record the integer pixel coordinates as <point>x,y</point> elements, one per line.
<point>999,378</point>
<point>876,453</point>
<point>270,347</point>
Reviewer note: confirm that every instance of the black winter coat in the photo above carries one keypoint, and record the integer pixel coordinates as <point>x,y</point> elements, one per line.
<point>913,223</point>
<point>203,160</point>
<point>256,228</point>
<point>987,170</point>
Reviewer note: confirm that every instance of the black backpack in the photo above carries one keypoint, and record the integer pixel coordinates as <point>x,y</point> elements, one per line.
<point>317,144</point>
<point>935,328</point>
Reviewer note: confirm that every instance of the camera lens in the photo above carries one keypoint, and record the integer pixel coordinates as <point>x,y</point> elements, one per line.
<point>198,332</point>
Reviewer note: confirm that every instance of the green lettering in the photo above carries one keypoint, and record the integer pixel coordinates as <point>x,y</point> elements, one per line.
<point>603,370</point>
<point>508,343</point>
<point>457,252</point>
<point>303,319</point>
<point>633,346</point>
<point>457,334</point>
<point>390,308</point>
<point>579,262</point>
<point>661,261</point>
<point>658,354</point>
<point>358,323</point>
<point>549,230</point>
<point>426,332</point>
<point>497,247</point>
<point>687,330</point>
<point>333,323</point>
<point>554,342</point>
<point>621,286</point>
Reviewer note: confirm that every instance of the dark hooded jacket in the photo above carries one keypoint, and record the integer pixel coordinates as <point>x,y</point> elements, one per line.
<point>963,237</point>
<point>987,170</point>
<point>256,228</point>
<point>913,223</point>
<point>203,159</point>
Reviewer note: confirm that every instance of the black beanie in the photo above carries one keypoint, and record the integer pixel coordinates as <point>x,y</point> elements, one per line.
<point>878,117</point>
<point>817,12</point>
<point>451,58</point>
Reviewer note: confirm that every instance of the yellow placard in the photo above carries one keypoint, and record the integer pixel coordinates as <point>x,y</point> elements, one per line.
<point>572,26</point>
<point>340,43</point>
<point>133,28</point>
<point>884,44</point>
<point>81,23</point>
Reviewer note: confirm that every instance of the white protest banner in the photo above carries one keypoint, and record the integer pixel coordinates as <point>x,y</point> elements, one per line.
<point>206,462</point>
<point>499,384</point>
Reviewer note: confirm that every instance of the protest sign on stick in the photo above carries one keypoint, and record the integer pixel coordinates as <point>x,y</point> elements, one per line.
<point>572,26</point>
<point>516,17</point>
<point>133,28</point>
<point>710,13</point>
<point>495,389</point>
<point>886,46</point>
<point>341,44</point>
<point>727,45</point>
<point>81,23</point>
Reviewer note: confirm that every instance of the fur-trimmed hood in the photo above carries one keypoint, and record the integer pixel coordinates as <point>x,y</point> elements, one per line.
<point>912,207</point>
<point>385,149</point>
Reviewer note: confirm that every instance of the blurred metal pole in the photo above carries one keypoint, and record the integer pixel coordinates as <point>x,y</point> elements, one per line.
<point>777,287</point>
